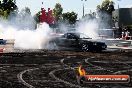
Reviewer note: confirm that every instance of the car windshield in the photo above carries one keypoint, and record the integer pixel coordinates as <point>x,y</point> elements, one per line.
<point>83,36</point>
<point>75,35</point>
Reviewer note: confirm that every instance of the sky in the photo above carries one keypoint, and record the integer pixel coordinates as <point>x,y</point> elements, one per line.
<point>68,5</point>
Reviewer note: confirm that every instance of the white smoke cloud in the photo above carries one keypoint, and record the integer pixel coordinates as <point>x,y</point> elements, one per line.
<point>30,38</point>
<point>26,39</point>
<point>96,25</point>
<point>21,27</point>
<point>89,28</point>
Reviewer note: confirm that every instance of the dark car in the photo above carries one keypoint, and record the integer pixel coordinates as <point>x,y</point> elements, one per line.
<point>2,42</point>
<point>78,41</point>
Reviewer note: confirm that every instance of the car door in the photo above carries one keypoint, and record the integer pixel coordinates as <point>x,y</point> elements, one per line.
<point>71,41</point>
<point>61,41</point>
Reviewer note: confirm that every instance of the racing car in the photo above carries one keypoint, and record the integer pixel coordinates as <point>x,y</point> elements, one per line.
<point>77,41</point>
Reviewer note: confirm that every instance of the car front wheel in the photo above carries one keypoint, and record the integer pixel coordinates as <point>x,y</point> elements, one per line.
<point>85,47</point>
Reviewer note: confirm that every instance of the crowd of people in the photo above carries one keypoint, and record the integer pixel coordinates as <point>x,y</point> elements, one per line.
<point>125,34</point>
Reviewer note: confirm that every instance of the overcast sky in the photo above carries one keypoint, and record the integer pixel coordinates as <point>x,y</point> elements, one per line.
<point>68,5</point>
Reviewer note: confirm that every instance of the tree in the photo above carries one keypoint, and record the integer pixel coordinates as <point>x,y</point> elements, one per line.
<point>106,6</point>
<point>22,19</point>
<point>57,12</point>
<point>6,7</point>
<point>69,17</point>
<point>105,13</point>
<point>37,17</point>
<point>25,12</point>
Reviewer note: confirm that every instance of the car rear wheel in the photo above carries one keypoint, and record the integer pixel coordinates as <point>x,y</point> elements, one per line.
<point>85,47</point>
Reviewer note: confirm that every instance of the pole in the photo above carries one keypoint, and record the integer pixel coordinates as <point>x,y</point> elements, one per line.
<point>118,3</point>
<point>119,25</point>
<point>118,13</point>
<point>83,8</point>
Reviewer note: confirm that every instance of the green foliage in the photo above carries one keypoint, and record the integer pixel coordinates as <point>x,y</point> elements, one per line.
<point>6,7</point>
<point>70,17</point>
<point>24,13</point>
<point>106,6</point>
<point>27,10</point>
<point>105,13</point>
<point>36,17</point>
<point>57,12</point>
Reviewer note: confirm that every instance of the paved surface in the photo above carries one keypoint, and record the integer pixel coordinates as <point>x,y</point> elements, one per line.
<point>58,69</point>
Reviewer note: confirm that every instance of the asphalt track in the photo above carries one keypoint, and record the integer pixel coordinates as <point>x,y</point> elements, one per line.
<point>58,69</point>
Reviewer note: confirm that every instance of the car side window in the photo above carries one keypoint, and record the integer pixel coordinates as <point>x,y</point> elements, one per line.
<point>64,36</point>
<point>70,36</point>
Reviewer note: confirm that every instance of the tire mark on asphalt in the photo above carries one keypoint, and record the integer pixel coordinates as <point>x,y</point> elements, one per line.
<point>20,79</point>
<point>122,71</point>
<point>86,61</point>
<point>60,80</point>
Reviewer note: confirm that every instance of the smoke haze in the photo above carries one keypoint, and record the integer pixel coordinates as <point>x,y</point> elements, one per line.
<point>89,28</point>
<point>27,38</point>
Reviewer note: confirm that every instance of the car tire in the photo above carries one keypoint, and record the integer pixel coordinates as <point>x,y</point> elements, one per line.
<point>85,47</point>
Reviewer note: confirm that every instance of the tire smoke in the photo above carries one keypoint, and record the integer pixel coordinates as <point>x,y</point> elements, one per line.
<point>89,28</point>
<point>27,38</point>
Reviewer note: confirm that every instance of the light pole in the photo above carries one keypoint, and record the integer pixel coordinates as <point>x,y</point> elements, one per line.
<point>118,13</point>
<point>118,3</point>
<point>119,25</point>
<point>83,7</point>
